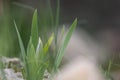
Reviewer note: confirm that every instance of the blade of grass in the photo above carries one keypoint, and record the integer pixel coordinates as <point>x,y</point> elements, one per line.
<point>32,62</point>
<point>61,36</point>
<point>42,50</point>
<point>109,66</point>
<point>51,13</point>
<point>34,30</point>
<point>40,72</point>
<point>23,53</point>
<point>39,49</point>
<point>65,43</point>
<point>47,45</point>
<point>57,12</point>
<point>20,43</point>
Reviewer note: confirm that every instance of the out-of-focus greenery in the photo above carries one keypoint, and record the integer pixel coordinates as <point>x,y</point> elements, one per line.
<point>22,14</point>
<point>37,59</point>
<point>47,22</point>
<point>8,40</point>
<point>34,50</point>
<point>6,36</point>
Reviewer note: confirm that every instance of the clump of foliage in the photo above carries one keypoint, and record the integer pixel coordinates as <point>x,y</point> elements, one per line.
<point>36,58</point>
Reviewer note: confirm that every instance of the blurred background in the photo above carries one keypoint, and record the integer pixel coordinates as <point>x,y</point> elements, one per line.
<point>21,11</point>
<point>95,16</point>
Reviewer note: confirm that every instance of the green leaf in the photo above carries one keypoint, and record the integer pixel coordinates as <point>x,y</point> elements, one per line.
<point>34,30</point>
<point>57,12</point>
<point>31,60</point>
<point>47,45</point>
<point>61,36</point>
<point>39,50</point>
<point>29,45</point>
<point>20,43</point>
<point>65,43</point>
<point>23,53</point>
<point>40,72</point>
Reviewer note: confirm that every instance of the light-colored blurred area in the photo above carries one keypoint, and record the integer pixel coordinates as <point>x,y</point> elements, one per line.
<point>81,68</point>
<point>97,35</point>
<point>99,18</point>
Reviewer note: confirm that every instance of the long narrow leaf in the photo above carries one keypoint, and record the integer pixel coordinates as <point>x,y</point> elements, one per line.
<point>47,45</point>
<point>20,43</point>
<point>65,43</point>
<point>32,62</point>
<point>57,12</point>
<point>23,53</point>
<point>39,49</point>
<point>40,72</point>
<point>34,30</point>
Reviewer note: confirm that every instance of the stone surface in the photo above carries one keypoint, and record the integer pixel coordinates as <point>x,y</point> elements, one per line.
<point>11,69</point>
